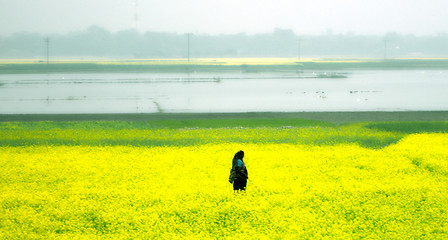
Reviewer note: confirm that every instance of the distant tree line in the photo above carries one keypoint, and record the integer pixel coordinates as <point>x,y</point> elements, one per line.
<point>98,42</point>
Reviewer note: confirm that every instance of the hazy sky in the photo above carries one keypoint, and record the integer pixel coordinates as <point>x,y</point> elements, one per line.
<point>419,17</point>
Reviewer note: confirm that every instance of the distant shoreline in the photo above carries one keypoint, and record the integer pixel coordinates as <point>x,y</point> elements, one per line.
<point>247,65</point>
<point>333,117</point>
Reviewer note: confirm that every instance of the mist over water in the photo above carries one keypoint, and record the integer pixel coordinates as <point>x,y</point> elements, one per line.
<point>393,90</point>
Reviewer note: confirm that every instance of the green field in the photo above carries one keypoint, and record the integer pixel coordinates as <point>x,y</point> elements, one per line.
<point>370,134</point>
<point>216,65</point>
<point>150,129</point>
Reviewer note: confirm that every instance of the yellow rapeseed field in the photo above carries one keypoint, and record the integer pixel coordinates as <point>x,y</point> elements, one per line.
<point>295,191</point>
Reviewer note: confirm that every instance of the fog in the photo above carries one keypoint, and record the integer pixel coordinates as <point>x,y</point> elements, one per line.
<point>305,17</point>
<point>98,42</point>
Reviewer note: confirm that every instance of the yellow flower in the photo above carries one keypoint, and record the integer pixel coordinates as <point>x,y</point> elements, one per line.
<point>181,192</point>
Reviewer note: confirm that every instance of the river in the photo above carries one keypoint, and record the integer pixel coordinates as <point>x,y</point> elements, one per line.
<point>360,90</point>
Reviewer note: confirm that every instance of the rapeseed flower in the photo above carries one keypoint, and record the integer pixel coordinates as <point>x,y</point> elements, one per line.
<point>180,192</point>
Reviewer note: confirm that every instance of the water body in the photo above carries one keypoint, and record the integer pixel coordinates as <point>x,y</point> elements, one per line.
<point>361,90</point>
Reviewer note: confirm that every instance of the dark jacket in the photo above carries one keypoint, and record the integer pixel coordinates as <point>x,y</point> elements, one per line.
<point>240,169</point>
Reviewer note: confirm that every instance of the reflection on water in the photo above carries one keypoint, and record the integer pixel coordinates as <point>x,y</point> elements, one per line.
<point>225,92</point>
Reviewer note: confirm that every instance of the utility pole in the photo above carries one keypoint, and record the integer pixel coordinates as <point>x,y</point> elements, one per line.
<point>298,49</point>
<point>47,41</point>
<point>188,46</point>
<point>136,19</point>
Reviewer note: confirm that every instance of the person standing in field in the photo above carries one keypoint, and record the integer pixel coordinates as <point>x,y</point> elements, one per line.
<point>238,174</point>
